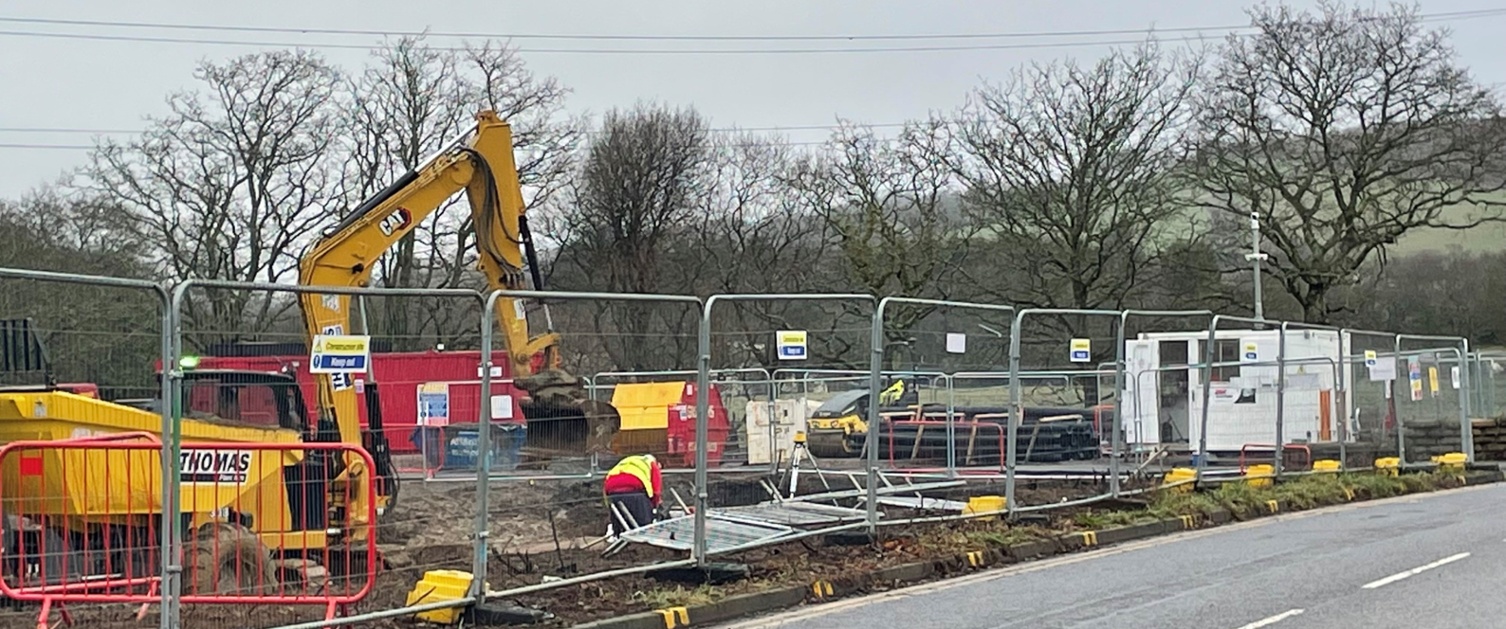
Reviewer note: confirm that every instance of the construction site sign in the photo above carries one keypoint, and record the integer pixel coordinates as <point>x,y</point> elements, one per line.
<point>1082,350</point>
<point>791,344</point>
<point>434,404</point>
<point>332,353</point>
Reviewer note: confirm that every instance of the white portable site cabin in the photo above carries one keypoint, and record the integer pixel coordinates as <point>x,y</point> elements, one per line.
<point>1163,396</point>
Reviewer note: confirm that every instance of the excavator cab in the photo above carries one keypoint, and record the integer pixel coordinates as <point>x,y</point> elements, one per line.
<point>266,399</point>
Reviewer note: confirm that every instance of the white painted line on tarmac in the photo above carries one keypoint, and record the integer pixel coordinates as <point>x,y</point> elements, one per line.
<point>1266,622</point>
<point>1415,571</point>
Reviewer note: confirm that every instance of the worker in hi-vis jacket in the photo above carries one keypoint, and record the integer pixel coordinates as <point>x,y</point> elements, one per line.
<point>634,486</point>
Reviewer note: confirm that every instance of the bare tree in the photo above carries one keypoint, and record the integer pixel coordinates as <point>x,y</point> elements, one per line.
<point>1343,131</point>
<point>756,236</point>
<point>232,183</point>
<point>409,100</point>
<point>887,211</point>
<point>105,335</point>
<point>642,178</point>
<point>1068,175</point>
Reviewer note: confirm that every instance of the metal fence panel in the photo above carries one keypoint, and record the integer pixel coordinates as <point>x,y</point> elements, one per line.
<point>789,344</point>
<point>1073,324</point>
<point>92,323</point>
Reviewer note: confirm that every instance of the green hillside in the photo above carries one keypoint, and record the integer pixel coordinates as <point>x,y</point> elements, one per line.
<point>1488,238</point>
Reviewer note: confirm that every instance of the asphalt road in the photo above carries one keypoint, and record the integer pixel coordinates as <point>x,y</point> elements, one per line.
<point>1432,560</point>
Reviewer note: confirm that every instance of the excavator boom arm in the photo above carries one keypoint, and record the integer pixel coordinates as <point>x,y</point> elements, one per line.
<point>482,164</point>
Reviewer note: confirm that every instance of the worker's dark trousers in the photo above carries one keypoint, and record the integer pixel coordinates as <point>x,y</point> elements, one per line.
<point>636,504</point>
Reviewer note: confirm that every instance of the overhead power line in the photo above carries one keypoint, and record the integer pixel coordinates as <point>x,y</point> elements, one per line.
<point>699,38</point>
<point>76,147</point>
<point>833,50</point>
<point>85,147</point>
<point>597,37</point>
<point>581,51</point>
<point>64,130</point>
<point>813,127</point>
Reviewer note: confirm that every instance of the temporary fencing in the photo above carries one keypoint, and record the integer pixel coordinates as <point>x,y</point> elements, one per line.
<point>590,433</point>
<point>73,331</point>
<point>243,356</point>
<point>952,338</point>
<point>1434,423</point>
<point>1314,395</point>
<point>1072,333</point>
<point>1371,367</point>
<point>1486,384</point>
<point>87,514</point>
<point>789,344</point>
<point>1140,365</point>
<point>449,403</point>
<point>1248,381</point>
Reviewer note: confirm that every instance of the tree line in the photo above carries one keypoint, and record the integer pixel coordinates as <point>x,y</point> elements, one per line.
<point>1126,181</point>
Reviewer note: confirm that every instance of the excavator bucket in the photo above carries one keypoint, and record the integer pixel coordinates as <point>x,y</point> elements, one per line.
<point>570,427</point>
<point>562,421</point>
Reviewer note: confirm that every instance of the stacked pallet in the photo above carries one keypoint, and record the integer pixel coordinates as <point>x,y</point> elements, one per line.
<point>1490,439</point>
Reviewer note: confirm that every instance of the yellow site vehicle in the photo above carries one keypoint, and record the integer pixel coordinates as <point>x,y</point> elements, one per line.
<point>838,427</point>
<point>309,506</point>
<point>75,513</point>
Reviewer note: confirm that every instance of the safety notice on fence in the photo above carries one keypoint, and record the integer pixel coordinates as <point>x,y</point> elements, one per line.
<point>791,344</point>
<point>332,353</point>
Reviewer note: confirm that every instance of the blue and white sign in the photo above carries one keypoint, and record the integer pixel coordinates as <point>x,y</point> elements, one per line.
<point>1250,353</point>
<point>791,344</point>
<point>1370,358</point>
<point>340,354</point>
<point>434,404</point>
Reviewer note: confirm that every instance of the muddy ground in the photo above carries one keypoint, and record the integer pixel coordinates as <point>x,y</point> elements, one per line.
<point>431,527</point>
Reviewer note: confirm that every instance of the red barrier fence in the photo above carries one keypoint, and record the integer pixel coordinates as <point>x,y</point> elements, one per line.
<point>261,523</point>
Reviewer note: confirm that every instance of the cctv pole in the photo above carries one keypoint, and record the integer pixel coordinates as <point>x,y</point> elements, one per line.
<point>1257,257</point>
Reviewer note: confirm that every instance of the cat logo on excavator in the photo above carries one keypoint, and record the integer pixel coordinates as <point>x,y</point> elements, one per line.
<point>396,221</point>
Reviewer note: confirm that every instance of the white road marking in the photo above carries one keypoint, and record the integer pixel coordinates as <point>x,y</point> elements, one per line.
<point>1418,570</point>
<point>1266,622</point>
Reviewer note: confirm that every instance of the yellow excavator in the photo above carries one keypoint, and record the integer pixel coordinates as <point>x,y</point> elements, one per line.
<point>561,418</point>
<point>283,512</point>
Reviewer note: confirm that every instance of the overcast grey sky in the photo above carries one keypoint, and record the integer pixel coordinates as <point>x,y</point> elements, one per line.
<point>70,83</point>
